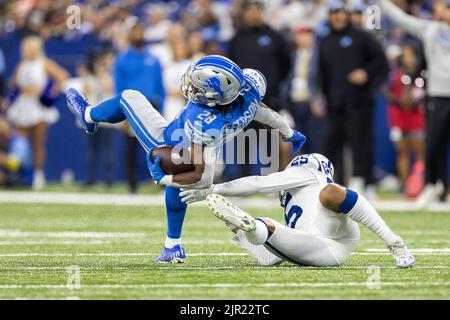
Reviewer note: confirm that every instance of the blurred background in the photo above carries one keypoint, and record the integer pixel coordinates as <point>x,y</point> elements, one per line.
<point>374,135</point>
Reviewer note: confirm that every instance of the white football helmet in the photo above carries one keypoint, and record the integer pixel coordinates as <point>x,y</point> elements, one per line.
<point>212,80</point>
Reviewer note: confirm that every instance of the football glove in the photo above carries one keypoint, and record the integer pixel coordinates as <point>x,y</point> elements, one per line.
<point>193,195</point>
<point>155,168</point>
<point>297,140</point>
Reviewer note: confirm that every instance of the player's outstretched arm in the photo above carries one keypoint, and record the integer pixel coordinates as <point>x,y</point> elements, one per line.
<point>267,116</point>
<point>407,22</point>
<point>275,182</point>
<point>202,176</point>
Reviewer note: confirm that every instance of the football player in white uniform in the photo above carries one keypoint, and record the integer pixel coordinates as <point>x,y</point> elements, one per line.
<point>320,216</point>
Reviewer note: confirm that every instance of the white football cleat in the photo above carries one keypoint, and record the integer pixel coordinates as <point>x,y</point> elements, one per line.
<point>226,211</point>
<point>402,257</point>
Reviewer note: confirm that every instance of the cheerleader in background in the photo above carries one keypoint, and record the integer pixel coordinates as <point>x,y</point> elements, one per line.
<point>406,118</point>
<point>36,81</point>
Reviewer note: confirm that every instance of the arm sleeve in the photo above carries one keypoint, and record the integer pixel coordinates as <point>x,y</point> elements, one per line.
<point>292,177</point>
<point>407,22</point>
<point>273,119</point>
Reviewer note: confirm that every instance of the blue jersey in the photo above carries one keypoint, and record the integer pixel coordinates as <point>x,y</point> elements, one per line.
<point>207,126</point>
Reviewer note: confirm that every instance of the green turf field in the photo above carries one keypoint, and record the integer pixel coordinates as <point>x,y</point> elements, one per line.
<point>113,247</point>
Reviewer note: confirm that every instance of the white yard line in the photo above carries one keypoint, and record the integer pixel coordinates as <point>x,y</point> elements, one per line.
<point>414,250</point>
<point>63,242</point>
<point>228,285</point>
<point>68,234</point>
<point>370,251</point>
<point>266,268</point>
<point>146,200</point>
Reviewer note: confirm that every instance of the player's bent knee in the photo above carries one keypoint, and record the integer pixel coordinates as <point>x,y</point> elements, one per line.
<point>332,196</point>
<point>131,94</point>
<point>270,225</point>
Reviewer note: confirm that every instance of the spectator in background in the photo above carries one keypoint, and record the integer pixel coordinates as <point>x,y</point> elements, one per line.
<point>304,114</point>
<point>256,45</point>
<point>136,68</point>
<point>438,10</point>
<point>285,15</point>
<point>16,163</point>
<point>36,81</point>
<point>98,86</point>
<point>175,101</point>
<point>2,81</point>
<point>201,15</point>
<point>351,64</point>
<point>163,51</point>
<point>158,23</point>
<point>356,9</point>
<point>435,36</point>
<point>196,45</point>
<point>406,118</point>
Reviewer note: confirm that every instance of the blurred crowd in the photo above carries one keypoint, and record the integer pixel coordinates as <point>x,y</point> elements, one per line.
<point>301,46</point>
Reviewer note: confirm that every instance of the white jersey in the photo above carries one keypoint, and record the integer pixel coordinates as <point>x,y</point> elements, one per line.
<point>312,235</point>
<point>301,202</point>
<point>300,185</point>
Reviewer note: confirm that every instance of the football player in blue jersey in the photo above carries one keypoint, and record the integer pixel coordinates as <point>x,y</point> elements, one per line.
<point>222,100</point>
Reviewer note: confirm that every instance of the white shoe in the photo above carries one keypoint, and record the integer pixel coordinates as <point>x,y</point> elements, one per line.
<point>39,181</point>
<point>226,211</point>
<point>429,195</point>
<point>401,254</point>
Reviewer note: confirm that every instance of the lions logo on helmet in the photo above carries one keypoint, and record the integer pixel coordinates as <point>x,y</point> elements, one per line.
<point>257,80</point>
<point>214,83</point>
<point>212,80</point>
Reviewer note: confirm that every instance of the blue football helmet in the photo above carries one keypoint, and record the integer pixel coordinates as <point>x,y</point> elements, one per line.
<point>212,81</point>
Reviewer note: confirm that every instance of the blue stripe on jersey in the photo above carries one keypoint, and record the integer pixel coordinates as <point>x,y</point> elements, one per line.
<point>287,199</point>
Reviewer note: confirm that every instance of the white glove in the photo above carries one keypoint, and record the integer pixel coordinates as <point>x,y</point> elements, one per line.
<point>193,195</point>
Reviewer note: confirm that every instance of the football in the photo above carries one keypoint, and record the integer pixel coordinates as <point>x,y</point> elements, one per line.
<point>173,162</point>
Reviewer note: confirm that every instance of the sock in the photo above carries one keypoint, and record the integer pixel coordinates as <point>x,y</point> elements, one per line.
<point>175,210</point>
<point>360,210</point>
<point>109,111</point>
<point>170,242</point>
<point>87,115</point>
<point>260,253</point>
<point>259,235</point>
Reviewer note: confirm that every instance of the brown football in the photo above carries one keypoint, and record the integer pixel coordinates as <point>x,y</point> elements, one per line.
<point>171,161</point>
